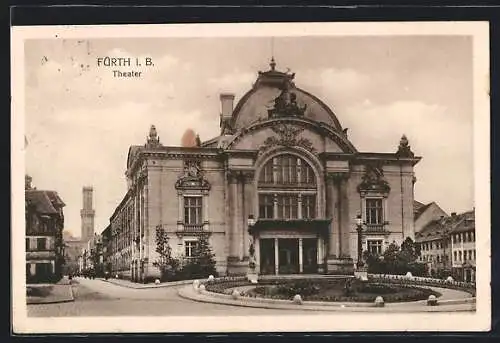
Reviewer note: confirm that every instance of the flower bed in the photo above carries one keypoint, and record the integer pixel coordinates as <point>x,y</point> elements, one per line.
<point>419,281</point>
<point>333,290</point>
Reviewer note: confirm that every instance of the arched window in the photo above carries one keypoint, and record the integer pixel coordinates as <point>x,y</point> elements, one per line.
<point>287,189</point>
<point>287,170</point>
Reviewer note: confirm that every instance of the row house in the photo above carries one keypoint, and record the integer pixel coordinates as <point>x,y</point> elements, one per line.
<point>447,246</point>
<point>44,234</point>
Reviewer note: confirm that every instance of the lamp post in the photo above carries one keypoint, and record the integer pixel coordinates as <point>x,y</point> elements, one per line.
<point>359,229</point>
<point>252,275</point>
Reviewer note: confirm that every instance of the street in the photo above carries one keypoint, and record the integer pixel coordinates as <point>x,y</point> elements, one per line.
<point>101,298</point>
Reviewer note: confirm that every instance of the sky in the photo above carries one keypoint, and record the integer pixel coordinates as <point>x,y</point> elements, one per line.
<point>80,120</point>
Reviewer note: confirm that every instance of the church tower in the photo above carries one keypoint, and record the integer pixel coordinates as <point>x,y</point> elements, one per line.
<point>87,213</point>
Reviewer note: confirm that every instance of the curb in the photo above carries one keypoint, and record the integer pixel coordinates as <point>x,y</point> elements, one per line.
<point>189,294</point>
<point>223,299</point>
<point>145,286</point>
<point>71,299</point>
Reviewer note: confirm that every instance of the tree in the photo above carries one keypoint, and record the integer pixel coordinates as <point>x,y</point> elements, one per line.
<point>202,264</point>
<point>409,250</point>
<point>165,262</point>
<point>396,260</point>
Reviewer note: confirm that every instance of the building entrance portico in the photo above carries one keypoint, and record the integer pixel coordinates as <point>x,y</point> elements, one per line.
<point>289,255</point>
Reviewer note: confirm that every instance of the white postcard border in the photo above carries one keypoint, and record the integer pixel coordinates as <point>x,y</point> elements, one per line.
<point>342,321</point>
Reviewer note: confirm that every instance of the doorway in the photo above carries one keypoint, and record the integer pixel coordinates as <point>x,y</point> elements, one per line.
<point>288,252</point>
<point>310,255</point>
<point>267,256</point>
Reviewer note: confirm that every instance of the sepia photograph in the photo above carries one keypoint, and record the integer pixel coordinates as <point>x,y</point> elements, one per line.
<point>312,176</point>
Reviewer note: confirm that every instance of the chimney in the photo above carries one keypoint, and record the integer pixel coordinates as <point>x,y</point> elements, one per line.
<point>226,101</point>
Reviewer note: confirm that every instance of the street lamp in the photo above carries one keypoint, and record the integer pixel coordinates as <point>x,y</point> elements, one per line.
<point>359,229</point>
<point>252,275</point>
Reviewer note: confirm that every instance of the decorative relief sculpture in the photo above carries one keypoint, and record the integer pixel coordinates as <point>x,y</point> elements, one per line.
<point>192,168</point>
<point>192,177</point>
<point>285,105</point>
<point>288,137</point>
<point>373,180</point>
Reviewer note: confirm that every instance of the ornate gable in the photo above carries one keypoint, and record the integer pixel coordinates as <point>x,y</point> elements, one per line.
<point>373,181</point>
<point>287,136</point>
<point>192,177</point>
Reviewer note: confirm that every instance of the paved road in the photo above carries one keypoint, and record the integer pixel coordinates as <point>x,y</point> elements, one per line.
<point>101,298</point>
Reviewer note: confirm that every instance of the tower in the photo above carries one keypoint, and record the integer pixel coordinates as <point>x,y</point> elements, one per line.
<point>87,213</point>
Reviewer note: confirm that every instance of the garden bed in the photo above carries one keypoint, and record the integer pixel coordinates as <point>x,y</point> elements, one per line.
<point>331,290</point>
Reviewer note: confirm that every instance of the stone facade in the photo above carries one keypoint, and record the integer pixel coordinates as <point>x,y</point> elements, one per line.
<point>44,238</point>
<point>282,158</point>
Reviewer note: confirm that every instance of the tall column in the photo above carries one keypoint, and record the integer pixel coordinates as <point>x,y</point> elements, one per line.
<point>249,193</point>
<point>240,210</point>
<point>301,257</point>
<point>344,217</point>
<point>276,257</point>
<point>331,212</point>
<point>233,249</point>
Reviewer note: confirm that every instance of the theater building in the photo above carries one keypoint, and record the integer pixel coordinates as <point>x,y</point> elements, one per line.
<point>283,159</point>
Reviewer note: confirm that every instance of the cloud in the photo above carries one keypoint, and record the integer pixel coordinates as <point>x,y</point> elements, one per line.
<point>446,163</point>
<point>335,84</point>
<point>90,146</point>
<point>236,82</point>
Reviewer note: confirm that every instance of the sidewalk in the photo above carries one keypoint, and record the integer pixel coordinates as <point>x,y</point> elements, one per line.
<point>136,285</point>
<point>49,293</point>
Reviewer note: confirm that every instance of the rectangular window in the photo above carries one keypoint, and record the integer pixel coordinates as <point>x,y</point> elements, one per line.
<point>474,254</point>
<point>266,206</point>
<point>455,256</point>
<point>306,174</point>
<point>40,244</point>
<point>460,256</point>
<point>375,246</point>
<point>27,244</point>
<point>287,206</point>
<point>309,206</point>
<point>267,175</point>
<point>473,238</point>
<point>190,248</point>
<point>374,211</point>
<point>192,211</point>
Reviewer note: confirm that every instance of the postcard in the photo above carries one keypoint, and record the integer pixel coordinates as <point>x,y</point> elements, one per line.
<point>305,177</point>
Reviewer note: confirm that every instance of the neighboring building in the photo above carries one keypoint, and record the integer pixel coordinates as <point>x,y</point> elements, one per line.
<point>283,158</point>
<point>44,227</point>
<point>106,249</point>
<point>87,214</point>
<point>92,256</point>
<point>72,250</point>
<point>463,246</point>
<point>448,246</point>
<point>425,214</point>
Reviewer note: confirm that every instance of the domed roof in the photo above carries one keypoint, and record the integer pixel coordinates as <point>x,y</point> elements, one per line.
<point>274,94</point>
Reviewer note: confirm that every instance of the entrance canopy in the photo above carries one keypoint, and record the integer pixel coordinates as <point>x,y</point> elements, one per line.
<point>320,226</point>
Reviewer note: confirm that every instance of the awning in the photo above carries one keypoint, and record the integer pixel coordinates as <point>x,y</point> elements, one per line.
<point>321,226</point>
